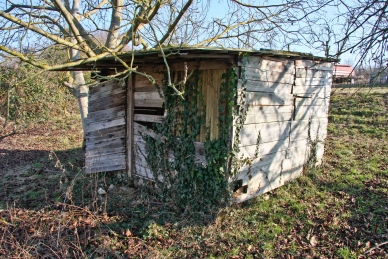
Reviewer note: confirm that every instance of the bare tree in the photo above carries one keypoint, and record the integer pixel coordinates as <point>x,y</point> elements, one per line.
<point>93,29</point>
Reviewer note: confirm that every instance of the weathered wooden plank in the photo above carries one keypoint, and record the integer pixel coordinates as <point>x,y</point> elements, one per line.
<point>312,102</point>
<point>103,94</point>
<point>314,95</point>
<point>106,86</point>
<point>106,162</point>
<point>314,130</point>
<point>147,96</point>
<point>143,81</point>
<point>264,110</point>
<point>278,65</point>
<point>263,149</point>
<point>310,64</point>
<point>106,133</point>
<point>104,124</point>
<point>199,148</point>
<point>147,89</point>
<point>310,112</point>
<point>148,118</point>
<point>249,134</point>
<point>143,171</point>
<point>104,115</point>
<point>130,158</point>
<point>319,153</point>
<point>263,160</point>
<point>313,81</point>
<point>306,89</point>
<point>105,144</point>
<point>268,76</point>
<point>106,103</point>
<point>203,65</point>
<point>262,99</point>
<point>153,99</point>
<point>211,82</point>
<point>105,151</point>
<point>264,86</point>
<point>100,169</point>
<point>139,129</point>
<point>273,117</point>
<point>313,73</point>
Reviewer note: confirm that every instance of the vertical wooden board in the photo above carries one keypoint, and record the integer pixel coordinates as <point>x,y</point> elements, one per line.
<point>319,153</point>
<point>129,122</point>
<point>211,83</point>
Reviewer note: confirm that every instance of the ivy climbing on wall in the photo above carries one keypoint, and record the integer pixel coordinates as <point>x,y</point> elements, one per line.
<point>178,177</point>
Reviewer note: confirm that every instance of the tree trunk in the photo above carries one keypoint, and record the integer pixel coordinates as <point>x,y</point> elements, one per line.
<point>81,91</point>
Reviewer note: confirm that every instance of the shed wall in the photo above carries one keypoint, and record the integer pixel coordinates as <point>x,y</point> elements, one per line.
<point>105,128</point>
<point>287,102</point>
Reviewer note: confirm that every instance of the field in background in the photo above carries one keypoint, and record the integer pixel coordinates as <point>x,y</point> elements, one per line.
<point>50,209</point>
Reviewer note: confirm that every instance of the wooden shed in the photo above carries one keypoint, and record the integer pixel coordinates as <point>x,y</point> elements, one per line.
<point>269,107</point>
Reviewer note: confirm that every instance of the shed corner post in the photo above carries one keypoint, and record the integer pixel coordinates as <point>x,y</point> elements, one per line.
<point>129,123</point>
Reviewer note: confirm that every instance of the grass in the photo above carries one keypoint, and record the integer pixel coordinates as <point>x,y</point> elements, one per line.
<point>337,211</point>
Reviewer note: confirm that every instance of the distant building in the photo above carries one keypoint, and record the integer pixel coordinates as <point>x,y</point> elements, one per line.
<point>344,74</point>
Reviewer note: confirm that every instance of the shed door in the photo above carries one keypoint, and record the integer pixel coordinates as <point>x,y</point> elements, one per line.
<point>105,128</point>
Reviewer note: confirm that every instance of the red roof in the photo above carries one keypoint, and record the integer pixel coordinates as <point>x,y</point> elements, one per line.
<point>344,71</point>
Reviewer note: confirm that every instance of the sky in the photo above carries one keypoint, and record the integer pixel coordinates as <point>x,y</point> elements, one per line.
<point>219,8</point>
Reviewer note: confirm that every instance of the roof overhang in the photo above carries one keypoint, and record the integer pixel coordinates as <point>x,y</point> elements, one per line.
<point>175,54</point>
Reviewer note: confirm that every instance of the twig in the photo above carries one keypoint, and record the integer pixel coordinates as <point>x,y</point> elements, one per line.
<point>377,246</point>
